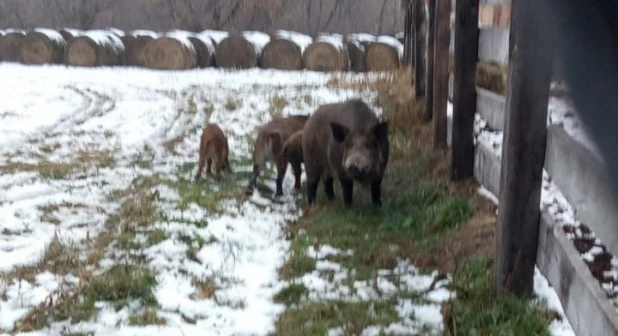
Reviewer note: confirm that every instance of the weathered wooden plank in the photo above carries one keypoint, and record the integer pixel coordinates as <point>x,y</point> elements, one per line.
<point>584,180</point>
<point>585,305</point>
<point>494,45</point>
<point>440,82</point>
<point>523,151</point>
<point>464,101</point>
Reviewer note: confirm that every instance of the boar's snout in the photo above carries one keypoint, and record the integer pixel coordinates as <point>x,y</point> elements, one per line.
<point>357,166</point>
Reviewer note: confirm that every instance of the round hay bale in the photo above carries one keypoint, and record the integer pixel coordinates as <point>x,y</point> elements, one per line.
<point>281,54</point>
<point>94,48</point>
<point>384,54</point>
<point>327,53</point>
<point>236,52</point>
<point>42,46</point>
<point>170,53</point>
<point>134,43</point>
<point>9,46</point>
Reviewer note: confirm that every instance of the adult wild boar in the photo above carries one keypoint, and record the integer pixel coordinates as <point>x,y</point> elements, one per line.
<point>269,146</point>
<point>293,154</point>
<point>345,140</point>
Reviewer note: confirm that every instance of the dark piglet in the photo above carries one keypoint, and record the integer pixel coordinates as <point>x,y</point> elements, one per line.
<point>213,146</point>
<point>293,154</point>
<point>269,146</point>
<point>345,140</point>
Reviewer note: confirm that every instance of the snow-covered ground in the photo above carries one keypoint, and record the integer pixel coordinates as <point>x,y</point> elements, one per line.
<point>82,148</point>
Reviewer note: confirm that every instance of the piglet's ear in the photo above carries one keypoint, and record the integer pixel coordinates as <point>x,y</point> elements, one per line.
<point>339,131</point>
<point>381,131</point>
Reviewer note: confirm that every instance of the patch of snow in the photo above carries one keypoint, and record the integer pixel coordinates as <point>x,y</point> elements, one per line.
<point>15,30</point>
<point>258,39</point>
<point>301,40</point>
<point>51,34</point>
<point>142,32</point>
<point>400,35</point>
<point>548,294</point>
<point>561,111</point>
<point>117,31</point>
<point>74,32</point>
<point>182,37</point>
<point>336,40</point>
<point>215,35</point>
<point>393,42</point>
<point>105,38</point>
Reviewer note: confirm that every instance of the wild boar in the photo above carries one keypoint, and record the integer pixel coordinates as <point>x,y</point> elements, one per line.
<point>269,145</point>
<point>293,154</point>
<point>345,140</point>
<point>213,146</point>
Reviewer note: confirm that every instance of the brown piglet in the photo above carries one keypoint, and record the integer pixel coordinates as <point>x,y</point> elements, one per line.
<point>269,145</point>
<point>213,147</point>
<point>347,141</point>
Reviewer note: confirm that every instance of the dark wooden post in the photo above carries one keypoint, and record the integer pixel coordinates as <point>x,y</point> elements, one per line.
<point>407,37</point>
<point>440,72</point>
<point>523,151</point>
<point>431,38</point>
<point>420,82</point>
<point>464,90</point>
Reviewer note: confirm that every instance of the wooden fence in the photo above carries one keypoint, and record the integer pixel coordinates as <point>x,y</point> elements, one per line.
<point>181,50</point>
<point>528,236</point>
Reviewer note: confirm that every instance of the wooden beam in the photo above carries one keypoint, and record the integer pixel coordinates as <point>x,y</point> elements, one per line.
<point>431,37</point>
<point>419,48</point>
<point>523,151</point>
<point>464,91</point>
<point>440,73</point>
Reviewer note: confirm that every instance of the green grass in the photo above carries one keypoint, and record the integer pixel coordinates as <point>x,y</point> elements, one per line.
<point>477,311</point>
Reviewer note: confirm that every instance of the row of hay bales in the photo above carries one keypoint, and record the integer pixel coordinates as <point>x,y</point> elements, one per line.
<point>180,50</point>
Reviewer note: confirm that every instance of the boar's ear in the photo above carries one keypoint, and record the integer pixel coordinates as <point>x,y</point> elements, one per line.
<point>339,131</point>
<point>381,131</point>
<point>274,138</point>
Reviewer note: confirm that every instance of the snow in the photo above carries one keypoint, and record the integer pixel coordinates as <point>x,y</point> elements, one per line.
<point>74,32</point>
<point>127,111</point>
<point>359,39</point>
<point>301,40</point>
<point>393,42</point>
<point>141,32</point>
<point>117,31</point>
<point>258,39</point>
<point>101,37</point>
<point>15,30</point>
<point>216,35</point>
<point>52,35</point>
<point>336,40</point>
<point>400,35</point>
<point>182,37</point>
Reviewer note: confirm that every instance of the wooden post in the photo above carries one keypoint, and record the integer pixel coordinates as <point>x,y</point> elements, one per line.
<point>440,72</point>
<point>464,89</point>
<point>523,151</point>
<point>431,38</point>
<point>407,25</point>
<point>419,50</point>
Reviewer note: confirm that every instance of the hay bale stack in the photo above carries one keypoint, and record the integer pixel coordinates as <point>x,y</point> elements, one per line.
<point>172,51</point>
<point>327,53</point>
<point>240,51</point>
<point>384,54</point>
<point>134,44</point>
<point>42,46</point>
<point>10,45</point>
<point>94,48</point>
<point>357,49</point>
<point>285,51</point>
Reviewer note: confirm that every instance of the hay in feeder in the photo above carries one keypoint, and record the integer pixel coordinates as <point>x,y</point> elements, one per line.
<point>236,52</point>
<point>384,54</point>
<point>94,48</point>
<point>170,52</point>
<point>42,46</point>
<point>327,53</point>
<point>9,46</point>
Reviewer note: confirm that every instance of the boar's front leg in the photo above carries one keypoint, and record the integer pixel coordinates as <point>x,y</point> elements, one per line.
<point>346,186</point>
<point>296,167</point>
<point>329,189</point>
<point>376,193</point>
<point>282,166</point>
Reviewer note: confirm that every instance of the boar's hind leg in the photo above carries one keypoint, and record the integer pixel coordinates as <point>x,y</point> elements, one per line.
<point>282,166</point>
<point>313,179</point>
<point>329,189</point>
<point>346,186</point>
<point>297,172</point>
<point>376,193</point>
